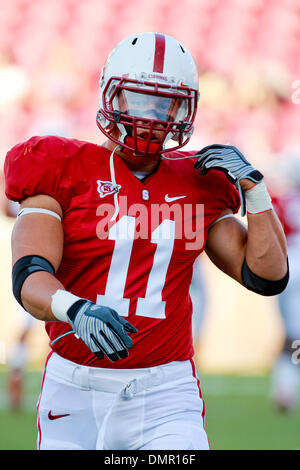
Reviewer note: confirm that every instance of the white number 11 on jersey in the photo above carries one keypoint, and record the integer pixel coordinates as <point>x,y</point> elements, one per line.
<point>152,305</point>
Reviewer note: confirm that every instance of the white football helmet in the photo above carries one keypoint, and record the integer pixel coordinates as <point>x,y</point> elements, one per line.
<point>149,94</point>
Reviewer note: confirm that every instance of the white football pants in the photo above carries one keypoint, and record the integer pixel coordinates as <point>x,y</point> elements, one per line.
<point>83,407</point>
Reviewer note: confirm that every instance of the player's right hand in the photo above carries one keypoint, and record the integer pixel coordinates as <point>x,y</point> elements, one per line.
<point>102,329</point>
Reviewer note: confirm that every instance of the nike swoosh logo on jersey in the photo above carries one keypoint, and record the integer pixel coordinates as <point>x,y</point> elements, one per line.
<point>51,416</point>
<point>171,199</point>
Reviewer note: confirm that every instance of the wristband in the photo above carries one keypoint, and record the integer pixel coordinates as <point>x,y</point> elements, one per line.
<point>62,300</point>
<point>258,199</point>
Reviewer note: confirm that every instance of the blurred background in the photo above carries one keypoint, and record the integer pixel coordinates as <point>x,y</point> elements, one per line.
<point>248,55</point>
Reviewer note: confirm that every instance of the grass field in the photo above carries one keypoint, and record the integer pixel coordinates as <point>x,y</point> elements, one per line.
<point>239,415</point>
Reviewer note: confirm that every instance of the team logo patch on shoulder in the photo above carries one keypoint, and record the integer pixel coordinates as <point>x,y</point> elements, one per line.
<point>106,187</point>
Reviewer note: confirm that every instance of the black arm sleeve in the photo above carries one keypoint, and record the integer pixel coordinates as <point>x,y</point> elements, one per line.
<point>263,286</point>
<point>23,268</point>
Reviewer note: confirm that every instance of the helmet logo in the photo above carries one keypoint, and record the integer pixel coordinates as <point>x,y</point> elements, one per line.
<point>150,76</point>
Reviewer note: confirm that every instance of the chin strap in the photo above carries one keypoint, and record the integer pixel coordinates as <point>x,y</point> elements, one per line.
<point>177,158</point>
<point>114,183</point>
<point>153,147</point>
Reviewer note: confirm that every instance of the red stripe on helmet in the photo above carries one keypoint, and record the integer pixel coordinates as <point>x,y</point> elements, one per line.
<point>159,55</point>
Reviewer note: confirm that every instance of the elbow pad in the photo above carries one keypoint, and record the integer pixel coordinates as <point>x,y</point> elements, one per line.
<point>23,268</point>
<point>263,286</point>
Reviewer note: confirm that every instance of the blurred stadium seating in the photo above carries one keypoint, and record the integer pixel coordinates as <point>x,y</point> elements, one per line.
<point>250,45</point>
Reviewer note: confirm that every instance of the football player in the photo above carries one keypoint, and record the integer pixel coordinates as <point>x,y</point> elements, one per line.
<point>104,248</point>
<point>18,355</point>
<point>199,302</point>
<point>286,372</point>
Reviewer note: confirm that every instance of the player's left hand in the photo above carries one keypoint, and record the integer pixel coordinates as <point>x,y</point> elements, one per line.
<point>232,162</point>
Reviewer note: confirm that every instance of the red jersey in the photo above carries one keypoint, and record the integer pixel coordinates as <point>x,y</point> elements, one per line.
<point>139,264</point>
